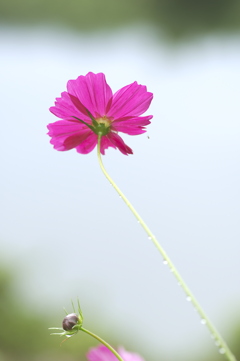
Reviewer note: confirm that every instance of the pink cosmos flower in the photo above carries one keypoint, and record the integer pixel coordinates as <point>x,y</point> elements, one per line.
<point>102,353</point>
<point>89,108</point>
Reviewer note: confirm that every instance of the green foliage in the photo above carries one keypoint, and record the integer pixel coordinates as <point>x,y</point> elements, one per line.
<point>182,18</point>
<point>235,341</point>
<point>20,330</point>
<point>174,18</point>
<point>24,334</point>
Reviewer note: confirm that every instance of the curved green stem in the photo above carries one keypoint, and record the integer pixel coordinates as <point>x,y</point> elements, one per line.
<point>103,342</point>
<point>219,341</point>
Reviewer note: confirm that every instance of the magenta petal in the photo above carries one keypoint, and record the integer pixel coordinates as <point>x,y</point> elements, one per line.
<point>133,126</point>
<point>92,91</point>
<point>129,356</point>
<point>100,353</point>
<point>115,141</point>
<point>106,143</point>
<point>69,142</point>
<point>131,100</point>
<point>89,98</point>
<point>88,144</point>
<point>65,127</point>
<point>141,121</point>
<point>65,108</point>
<point>67,135</point>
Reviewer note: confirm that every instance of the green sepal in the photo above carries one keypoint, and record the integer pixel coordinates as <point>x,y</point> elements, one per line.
<point>88,125</point>
<point>77,327</point>
<point>101,129</point>
<point>97,128</point>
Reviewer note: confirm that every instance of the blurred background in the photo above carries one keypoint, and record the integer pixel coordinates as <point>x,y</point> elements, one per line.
<point>66,234</point>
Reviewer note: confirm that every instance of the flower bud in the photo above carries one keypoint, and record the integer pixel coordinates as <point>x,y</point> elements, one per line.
<point>70,321</point>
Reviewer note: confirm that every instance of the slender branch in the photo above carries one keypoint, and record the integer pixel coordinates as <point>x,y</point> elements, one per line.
<point>219,341</point>
<point>82,121</point>
<point>103,342</point>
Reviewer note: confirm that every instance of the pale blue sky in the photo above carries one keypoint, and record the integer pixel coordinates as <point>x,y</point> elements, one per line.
<point>68,232</point>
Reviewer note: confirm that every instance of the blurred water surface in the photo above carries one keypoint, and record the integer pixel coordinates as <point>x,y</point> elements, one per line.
<point>67,232</point>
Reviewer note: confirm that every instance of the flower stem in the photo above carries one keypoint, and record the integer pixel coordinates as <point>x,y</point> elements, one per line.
<point>103,342</point>
<point>218,339</point>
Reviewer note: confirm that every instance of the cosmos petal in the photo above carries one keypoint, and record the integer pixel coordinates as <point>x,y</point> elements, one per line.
<point>92,91</point>
<point>133,126</point>
<point>88,102</point>
<point>131,100</point>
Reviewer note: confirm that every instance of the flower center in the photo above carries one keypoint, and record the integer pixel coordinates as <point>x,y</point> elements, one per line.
<point>102,125</point>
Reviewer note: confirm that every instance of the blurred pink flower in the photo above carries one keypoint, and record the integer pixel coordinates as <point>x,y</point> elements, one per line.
<point>102,353</point>
<point>89,107</point>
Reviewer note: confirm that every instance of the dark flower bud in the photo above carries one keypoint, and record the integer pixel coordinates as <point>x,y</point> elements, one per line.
<point>70,321</point>
<point>71,324</point>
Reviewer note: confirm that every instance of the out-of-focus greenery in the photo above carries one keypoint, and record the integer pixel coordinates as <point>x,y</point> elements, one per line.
<point>187,17</point>
<point>174,18</point>
<point>24,334</point>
